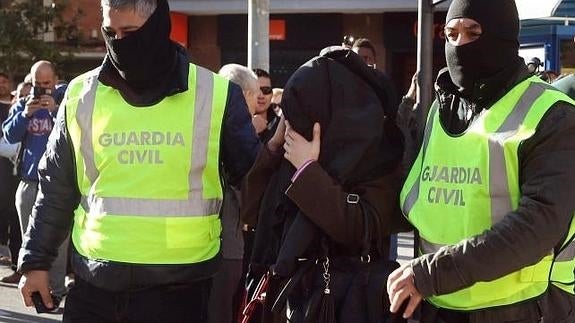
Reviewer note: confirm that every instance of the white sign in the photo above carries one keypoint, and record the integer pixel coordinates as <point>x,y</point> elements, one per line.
<point>528,53</point>
<point>533,9</point>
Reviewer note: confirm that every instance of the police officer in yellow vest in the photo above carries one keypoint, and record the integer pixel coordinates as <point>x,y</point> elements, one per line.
<point>134,170</point>
<point>492,189</point>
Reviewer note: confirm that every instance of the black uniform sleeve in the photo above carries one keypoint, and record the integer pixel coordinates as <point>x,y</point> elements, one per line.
<point>407,122</point>
<point>524,236</point>
<point>58,197</point>
<point>240,144</point>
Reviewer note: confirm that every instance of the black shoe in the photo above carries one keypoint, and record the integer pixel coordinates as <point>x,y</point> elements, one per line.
<point>5,261</point>
<point>11,279</point>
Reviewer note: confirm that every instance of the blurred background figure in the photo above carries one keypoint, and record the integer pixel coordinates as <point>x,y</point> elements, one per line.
<point>348,41</point>
<point>246,79</point>
<point>277,100</point>
<point>6,176</point>
<point>548,76</point>
<point>5,88</point>
<point>30,122</point>
<point>22,90</point>
<point>365,49</point>
<point>226,283</point>
<point>533,65</point>
<point>267,119</point>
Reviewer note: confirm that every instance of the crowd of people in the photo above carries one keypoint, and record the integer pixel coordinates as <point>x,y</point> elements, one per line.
<point>27,120</point>
<point>166,192</point>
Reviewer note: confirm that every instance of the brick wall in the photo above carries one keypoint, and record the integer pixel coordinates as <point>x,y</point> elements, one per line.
<point>203,42</point>
<point>91,19</point>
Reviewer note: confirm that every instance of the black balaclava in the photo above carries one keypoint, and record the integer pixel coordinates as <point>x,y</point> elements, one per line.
<point>496,48</point>
<point>146,56</point>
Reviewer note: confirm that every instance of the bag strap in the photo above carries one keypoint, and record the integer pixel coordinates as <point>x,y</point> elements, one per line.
<point>353,198</point>
<point>366,245</point>
<point>292,282</point>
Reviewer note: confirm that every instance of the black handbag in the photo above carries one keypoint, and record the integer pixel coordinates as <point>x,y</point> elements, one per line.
<point>317,284</point>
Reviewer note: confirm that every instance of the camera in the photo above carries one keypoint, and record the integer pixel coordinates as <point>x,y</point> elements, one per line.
<point>39,304</point>
<point>38,91</point>
<point>534,64</point>
<point>348,41</point>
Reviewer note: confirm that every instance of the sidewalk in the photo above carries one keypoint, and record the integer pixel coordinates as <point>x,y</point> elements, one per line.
<point>12,310</point>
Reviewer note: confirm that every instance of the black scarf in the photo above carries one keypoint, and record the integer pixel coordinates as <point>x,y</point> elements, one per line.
<point>146,57</point>
<point>472,64</point>
<point>458,112</point>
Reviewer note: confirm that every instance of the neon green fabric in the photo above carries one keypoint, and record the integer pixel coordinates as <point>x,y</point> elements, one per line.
<point>151,199</point>
<point>461,185</point>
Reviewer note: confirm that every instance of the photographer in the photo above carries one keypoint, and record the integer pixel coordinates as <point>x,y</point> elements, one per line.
<point>30,122</point>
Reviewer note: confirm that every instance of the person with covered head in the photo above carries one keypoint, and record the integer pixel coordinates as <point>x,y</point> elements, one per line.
<point>134,170</point>
<point>490,192</point>
<point>323,224</point>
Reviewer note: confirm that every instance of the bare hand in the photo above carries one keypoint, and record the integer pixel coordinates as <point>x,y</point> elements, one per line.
<point>412,92</point>
<point>48,102</point>
<point>259,123</point>
<point>32,105</point>
<point>35,281</point>
<point>400,287</point>
<point>278,139</point>
<point>298,150</point>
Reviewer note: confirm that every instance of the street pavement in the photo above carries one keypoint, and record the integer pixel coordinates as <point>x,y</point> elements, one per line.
<point>12,310</point>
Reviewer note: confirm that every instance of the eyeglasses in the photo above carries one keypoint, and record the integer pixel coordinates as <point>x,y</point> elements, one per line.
<point>266,90</point>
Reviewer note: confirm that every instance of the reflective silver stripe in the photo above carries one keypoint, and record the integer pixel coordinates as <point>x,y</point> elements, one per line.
<point>413,194</point>
<point>568,253</point>
<point>519,112</point>
<point>84,119</point>
<point>201,131</point>
<point>498,186</point>
<point>149,207</point>
<point>195,205</point>
<point>429,247</point>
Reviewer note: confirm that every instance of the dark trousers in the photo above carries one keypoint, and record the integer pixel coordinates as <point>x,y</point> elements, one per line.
<point>181,303</point>
<point>223,305</point>
<point>9,221</point>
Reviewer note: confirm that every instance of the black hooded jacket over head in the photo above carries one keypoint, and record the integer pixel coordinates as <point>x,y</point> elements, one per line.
<point>342,93</point>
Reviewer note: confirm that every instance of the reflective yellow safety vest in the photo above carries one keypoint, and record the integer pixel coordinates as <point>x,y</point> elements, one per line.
<point>460,186</point>
<point>149,176</point>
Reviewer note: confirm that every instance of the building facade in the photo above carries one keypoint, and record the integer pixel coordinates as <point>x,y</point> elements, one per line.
<point>215,33</point>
